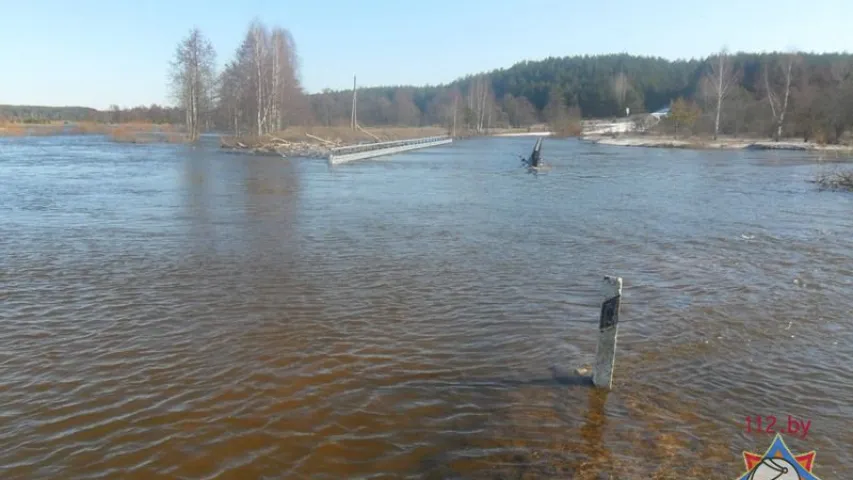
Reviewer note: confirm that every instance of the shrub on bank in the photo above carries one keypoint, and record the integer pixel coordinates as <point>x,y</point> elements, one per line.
<point>566,123</point>
<point>836,180</point>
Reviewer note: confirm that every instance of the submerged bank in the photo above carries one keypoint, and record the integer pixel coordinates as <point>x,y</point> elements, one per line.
<point>274,146</point>
<point>317,142</point>
<point>654,141</point>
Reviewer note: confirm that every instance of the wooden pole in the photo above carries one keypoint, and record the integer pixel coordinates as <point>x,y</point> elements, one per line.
<point>453,133</point>
<point>605,355</point>
<point>354,119</point>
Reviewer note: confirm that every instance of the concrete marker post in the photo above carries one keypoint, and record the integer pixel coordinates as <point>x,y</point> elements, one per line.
<point>605,355</point>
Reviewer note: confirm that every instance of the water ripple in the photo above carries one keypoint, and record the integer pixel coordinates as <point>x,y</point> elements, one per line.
<point>178,313</point>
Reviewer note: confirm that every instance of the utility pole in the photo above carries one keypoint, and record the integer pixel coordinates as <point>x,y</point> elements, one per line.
<point>354,120</point>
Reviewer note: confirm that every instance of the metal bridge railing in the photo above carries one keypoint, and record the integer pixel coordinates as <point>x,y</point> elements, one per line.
<point>364,147</point>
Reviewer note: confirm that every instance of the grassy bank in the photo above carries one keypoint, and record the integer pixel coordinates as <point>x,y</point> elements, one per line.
<point>309,137</point>
<point>346,135</point>
<point>129,133</point>
<point>123,132</point>
<point>315,141</point>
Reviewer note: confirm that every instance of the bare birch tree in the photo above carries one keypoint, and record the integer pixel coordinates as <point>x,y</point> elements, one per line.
<point>720,78</point>
<point>453,131</point>
<point>353,119</point>
<point>193,78</point>
<point>779,100</point>
<point>257,39</point>
<point>472,113</point>
<point>260,88</point>
<point>284,82</point>
<point>621,86</point>
<point>480,103</point>
<point>230,97</point>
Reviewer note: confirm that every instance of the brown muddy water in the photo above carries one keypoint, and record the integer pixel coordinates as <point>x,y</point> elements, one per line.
<point>175,312</point>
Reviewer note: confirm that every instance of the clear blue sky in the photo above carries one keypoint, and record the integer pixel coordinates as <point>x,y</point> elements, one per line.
<point>96,53</point>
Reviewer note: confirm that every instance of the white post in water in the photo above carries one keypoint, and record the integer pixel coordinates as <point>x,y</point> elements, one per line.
<point>605,355</point>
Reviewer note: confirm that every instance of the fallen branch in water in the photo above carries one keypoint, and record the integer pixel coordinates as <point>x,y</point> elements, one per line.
<point>316,142</point>
<point>365,131</point>
<point>836,180</point>
<point>327,142</point>
<point>270,145</point>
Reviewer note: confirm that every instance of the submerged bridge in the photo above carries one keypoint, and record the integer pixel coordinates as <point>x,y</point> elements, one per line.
<point>371,150</point>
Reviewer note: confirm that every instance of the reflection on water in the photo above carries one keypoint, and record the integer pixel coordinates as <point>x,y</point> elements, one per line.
<point>175,312</point>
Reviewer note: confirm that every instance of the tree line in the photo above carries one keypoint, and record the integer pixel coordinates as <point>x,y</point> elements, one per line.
<point>115,114</point>
<point>258,91</point>
<point>778,94</point>
<point>790,94</point>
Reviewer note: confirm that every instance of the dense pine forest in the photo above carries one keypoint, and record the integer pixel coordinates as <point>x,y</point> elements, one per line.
<point>258,91</point>
<point>816,94</point>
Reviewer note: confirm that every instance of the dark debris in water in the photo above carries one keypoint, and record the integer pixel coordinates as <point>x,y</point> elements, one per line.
<point>836,180</point>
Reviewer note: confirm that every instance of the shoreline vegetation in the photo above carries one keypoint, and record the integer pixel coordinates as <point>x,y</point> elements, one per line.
<point>700,143</point>
<point>131,132</point>
<point>838,180</point>
<point>789,100</point>
<point>316,142</point>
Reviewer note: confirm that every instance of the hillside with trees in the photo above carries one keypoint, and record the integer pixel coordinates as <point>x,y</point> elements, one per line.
<point>753,93</point>
<point>259,91</point>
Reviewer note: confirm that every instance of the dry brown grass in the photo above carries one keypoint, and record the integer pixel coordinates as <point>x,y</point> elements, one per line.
<point>541,127</point>
<point>124,132</point>
<point>567,127</point>
<point>136,133</point>
<point>331,136</point>
<point>13,129</point>
<point>174,137</point>
<point>345,135</point>
<point>91,128</point>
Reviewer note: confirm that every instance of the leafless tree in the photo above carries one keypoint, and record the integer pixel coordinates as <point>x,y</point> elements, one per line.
<point>455,101</point>
<point>282,73</point>
<point>520,112</point>
<point>261,85</point>
<point>192,79</point>
<point>230,97</point>
<point>115,114</point>
<point>779,100</point>
<point>620,88</point>
<point>407,112</point>
<point>354,119</point>
<point>720,78</point>
<point>480,103</point>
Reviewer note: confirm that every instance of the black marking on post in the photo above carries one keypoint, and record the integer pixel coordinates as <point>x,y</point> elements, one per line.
<point>609,313</point>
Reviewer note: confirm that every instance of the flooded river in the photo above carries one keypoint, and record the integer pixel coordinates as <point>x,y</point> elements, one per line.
<point>175,312</point>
